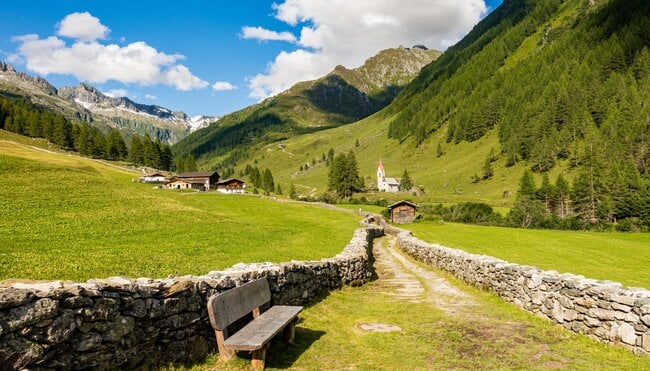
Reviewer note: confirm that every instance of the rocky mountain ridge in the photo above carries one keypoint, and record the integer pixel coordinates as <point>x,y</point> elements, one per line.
<point>86,103</point>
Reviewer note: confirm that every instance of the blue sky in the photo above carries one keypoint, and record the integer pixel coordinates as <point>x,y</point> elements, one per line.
<point>214,57</point>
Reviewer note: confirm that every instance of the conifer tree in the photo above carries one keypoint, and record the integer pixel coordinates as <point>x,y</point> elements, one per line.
<point>136,153</point>
<point>406,183</point>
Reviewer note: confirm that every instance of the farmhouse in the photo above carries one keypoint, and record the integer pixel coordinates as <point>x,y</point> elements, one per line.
<point>152,178</point>
<point>383,183</point>
<point>232,185</point>
<point>201,181</point>
<point>402,212</point>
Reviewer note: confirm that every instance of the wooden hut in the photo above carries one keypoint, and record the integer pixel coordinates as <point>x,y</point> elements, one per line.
<point>402,212</point>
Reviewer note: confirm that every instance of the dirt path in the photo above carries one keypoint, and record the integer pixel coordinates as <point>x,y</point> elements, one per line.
<point>410,282</point>
<point>407,281</point>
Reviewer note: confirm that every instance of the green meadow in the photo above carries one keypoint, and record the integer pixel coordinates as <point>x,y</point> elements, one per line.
<point>620,257</point>
<point>66,217</point>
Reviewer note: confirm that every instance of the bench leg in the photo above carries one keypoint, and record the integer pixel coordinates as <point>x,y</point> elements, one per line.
<point>290,332</point>
<point>259,357</point>
<point>224,354</point>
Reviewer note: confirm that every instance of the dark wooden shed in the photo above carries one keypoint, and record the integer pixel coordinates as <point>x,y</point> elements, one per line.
<point>402,212</point>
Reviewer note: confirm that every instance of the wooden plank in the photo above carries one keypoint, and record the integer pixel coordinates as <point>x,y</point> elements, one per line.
<point>259,358</point>
<point>229,306</point>
<point>260,331</point>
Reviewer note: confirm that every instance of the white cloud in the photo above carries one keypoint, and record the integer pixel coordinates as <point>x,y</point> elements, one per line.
<point>223,86</point>
<point>150,97</point>
<point>262,34</point>
<point>349,32</point>
<point>117,93</point>
<point>82,26</point>
<point>92,61</point>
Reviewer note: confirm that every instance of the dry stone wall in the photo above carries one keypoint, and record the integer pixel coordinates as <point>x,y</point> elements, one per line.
<point>126,323</point>
<point>604,310</point>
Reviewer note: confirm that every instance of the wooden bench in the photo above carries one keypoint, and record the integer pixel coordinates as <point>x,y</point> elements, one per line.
<point>227,307</point>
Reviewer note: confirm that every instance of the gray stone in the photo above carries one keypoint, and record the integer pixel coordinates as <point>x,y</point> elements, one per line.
<point>570,315</point>
<point>645,342</point>
<point>121,327</point>
<point>103,310</point>
<point>646,319</point>
<point>88,341</point>
<point>631,317</point>
<point>627,334</point>
<point>625,300</point>
<point>591,322</point>
<point>621,307</point>
<point>557,312</point>
<point>601,314</point>
<point>62,328</point>
<point>35,312</point>
<point>11,297</point>
<point>137,308</point>
<point>77,302</point>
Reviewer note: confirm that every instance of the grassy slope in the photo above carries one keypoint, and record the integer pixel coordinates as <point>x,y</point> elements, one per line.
<point>66,217</point>
<point>621,257</point>
<point>446,178</point>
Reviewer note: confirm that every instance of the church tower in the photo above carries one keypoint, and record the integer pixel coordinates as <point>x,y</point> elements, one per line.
<point>381,176</point>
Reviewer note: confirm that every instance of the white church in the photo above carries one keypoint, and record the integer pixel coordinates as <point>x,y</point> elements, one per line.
<point>383,183</point>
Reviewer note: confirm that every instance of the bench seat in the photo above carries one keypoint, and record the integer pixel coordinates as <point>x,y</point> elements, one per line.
<point>257,333</point>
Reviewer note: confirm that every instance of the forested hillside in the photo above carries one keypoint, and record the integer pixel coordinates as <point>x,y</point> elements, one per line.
<point>560,81</point>
<point>20,116</point>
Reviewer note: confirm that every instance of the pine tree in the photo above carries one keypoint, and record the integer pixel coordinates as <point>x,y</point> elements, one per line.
<point>255,177</point>
<point>267,181</point>
<point>561,199</point>
<point>527,187</point>
<point>190,163</point>
<point>180,164</point>
<point>343,177</point>
<point>488,172</point>
<point>278,189</point>
<point>136,153</point>
<point>406,183</point>
<point>546,193</point>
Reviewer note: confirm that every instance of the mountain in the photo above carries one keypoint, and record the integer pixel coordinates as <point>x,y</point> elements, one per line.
<point>559,87</point>
<point>341,97</point>
<point>86,103</point>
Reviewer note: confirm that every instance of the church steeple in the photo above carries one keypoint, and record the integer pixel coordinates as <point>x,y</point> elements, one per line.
<point>381,173</point>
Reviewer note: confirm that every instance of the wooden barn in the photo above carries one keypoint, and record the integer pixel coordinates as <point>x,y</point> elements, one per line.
<point>201,181</point>
<point>232,185</point>
<point>402,212</point>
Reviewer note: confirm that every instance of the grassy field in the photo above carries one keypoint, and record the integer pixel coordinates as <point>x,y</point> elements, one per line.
<point>620,257</point>
<point>66,217</point>
<point>328,338</point>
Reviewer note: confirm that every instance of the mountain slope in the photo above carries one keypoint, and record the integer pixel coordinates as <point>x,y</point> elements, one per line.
<point>342,96</point>
<point>561,87</point>
<point>88,104</point>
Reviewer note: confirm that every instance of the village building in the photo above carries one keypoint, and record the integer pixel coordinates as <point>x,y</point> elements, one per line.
<point>200,181</point>
<point>385,184</point>
<point>231,186</point>
<point>152,178</point>
<point>402,212</point>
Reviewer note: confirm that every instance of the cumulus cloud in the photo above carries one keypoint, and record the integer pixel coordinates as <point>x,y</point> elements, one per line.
<point>262,34</point>
<point>223,86</point>
<point>82,26</point>
<point>150,97</point>
<point>116,93</point>
<point>328,37</point>
<point>89,60</point>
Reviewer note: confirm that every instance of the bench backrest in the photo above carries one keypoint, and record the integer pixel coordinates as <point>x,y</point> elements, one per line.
<point>229,306</point>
